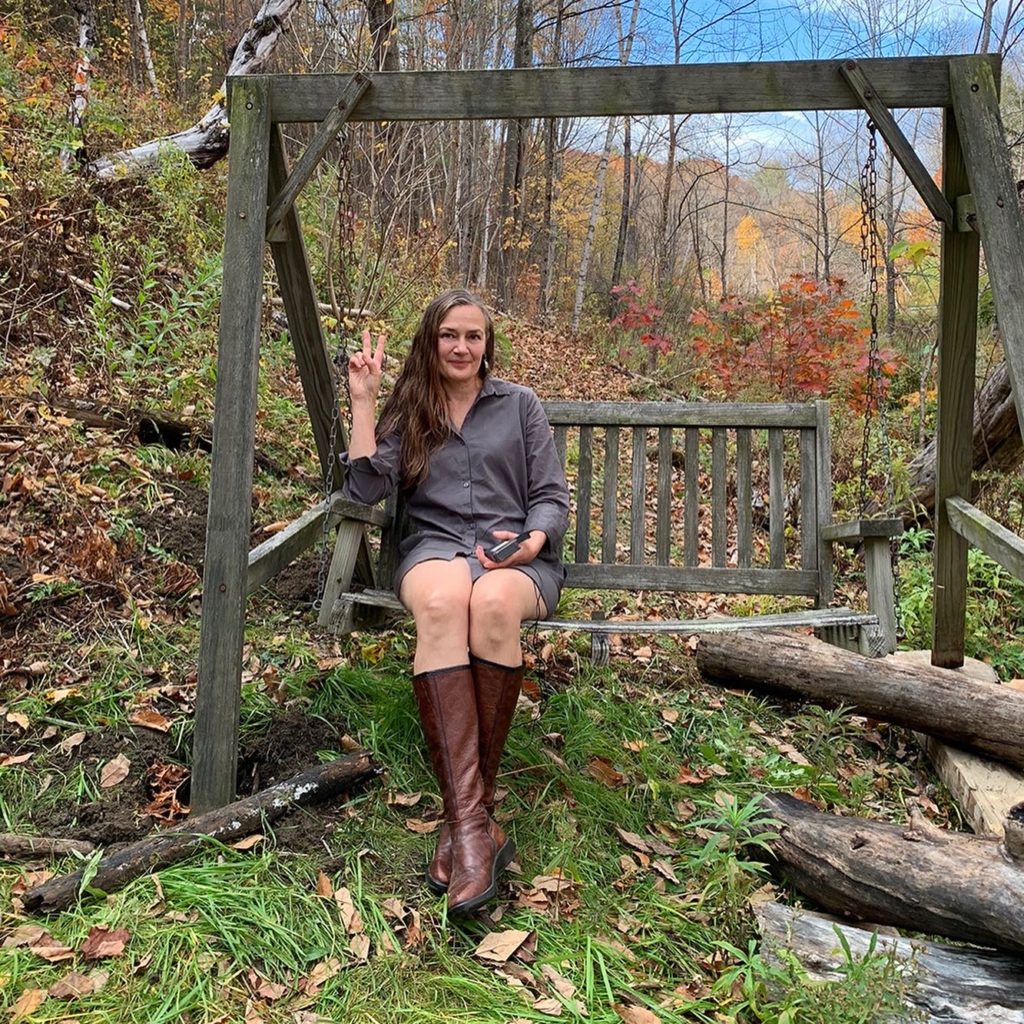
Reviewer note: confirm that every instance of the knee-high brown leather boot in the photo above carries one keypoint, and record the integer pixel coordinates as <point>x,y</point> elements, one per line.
<point>448,712</point>
<point>497,690</point>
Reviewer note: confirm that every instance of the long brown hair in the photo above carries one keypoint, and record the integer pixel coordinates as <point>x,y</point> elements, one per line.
<point>418,406</point>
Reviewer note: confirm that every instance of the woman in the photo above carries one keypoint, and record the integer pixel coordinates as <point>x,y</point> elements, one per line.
<point>477,464</point>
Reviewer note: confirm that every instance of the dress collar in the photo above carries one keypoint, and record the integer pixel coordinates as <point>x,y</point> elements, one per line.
<point>494,386</point>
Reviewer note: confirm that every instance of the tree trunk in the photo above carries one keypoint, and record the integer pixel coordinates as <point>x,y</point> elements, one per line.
<point>547,237</point>
<point>516,131</point>
<point>206,142</point>
<point>722,268</point>
<point>664,254</point>
<point>82,82</point>
<point>145,54</point>
<point>182,51</point>
<point>948,984</point>
<point>978,716</point>
<point>625,48</point>
<point>383,33</point>
<point>997,444</point>
<point>224,824</point>
<point>588,240</point>
<point>889,215</point>
<point>924,878</point>
<point>620,245</point>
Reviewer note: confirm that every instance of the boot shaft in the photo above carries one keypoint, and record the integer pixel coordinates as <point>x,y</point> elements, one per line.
<point>497,692</point>
<point>448,713</point>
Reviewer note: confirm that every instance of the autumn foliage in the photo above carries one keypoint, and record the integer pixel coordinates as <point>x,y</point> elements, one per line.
<point>805,340</point>
<point>640,318</point>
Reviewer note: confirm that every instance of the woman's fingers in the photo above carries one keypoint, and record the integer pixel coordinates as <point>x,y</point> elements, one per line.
<point>378,355</point>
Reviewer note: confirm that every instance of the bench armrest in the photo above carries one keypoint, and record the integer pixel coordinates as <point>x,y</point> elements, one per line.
<point>875,535</point>
<point>342,508</point>
<point>857,530</point>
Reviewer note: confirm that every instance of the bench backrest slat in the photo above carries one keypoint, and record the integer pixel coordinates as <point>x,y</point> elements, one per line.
<point>719,499</point>
<point>776,500</point>
<point>808,502</point>
<point>744,499</point>
<point>663,528</point>
<point>691,496</point>
<point>638,505</point>
<point>586,479</point>
<point>609,518</point>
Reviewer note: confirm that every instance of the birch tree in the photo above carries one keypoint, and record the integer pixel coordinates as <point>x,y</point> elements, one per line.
<point>625,48</point>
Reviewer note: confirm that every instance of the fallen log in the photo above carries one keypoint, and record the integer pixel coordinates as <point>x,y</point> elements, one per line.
<point>206,141</point>
<point>922,878</point>
<point>979,716</point>
<point>945,984</point>
<point>12,845</point>
<point>224,825</point>
<point>996,444</point>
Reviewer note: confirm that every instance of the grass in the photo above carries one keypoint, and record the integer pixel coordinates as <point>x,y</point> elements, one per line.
<point>629,928</point>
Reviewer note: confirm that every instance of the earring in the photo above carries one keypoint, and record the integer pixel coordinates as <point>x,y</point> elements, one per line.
<point>485,365</point>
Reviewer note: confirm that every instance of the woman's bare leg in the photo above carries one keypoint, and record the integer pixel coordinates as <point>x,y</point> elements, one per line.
<point>501,600</point>
<point>438,595</point>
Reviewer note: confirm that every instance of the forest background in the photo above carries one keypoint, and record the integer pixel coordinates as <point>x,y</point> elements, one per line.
<point>756,257</point>
<point>649,258</point>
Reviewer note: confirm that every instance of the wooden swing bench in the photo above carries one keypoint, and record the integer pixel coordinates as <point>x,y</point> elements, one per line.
<point>624,483</point>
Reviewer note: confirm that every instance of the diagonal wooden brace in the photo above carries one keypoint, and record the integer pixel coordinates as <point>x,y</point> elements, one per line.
<point>898,143</point>
<point>306,164</point>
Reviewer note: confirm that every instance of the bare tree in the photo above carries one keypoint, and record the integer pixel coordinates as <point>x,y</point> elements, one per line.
<point>625,48</point>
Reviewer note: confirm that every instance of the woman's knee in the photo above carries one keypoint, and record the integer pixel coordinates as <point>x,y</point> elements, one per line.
<point>438,596</point>
<point>494,608</point>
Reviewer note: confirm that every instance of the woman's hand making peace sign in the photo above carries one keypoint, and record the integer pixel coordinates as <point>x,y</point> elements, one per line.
<point>364,370</point>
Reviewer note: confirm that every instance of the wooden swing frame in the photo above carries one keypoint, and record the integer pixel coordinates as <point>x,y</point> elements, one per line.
<point>977,201</point>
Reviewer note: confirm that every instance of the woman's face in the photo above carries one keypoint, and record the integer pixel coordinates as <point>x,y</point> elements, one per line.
<point>461,340</point>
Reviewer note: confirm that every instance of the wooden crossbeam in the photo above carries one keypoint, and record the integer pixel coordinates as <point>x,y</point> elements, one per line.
<point>1000,221</point>
<point>353,92</point>
<point>901,148</point>
<point>999,543</point>
<point>605,92</point>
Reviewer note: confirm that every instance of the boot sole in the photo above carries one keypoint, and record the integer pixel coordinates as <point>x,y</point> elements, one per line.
<point>502,859</point>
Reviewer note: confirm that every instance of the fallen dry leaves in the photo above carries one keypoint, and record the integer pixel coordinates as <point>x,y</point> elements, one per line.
<point>28,1002</point>
<point>103,942</point>
<point>115,771</point>
<point>498,947</point>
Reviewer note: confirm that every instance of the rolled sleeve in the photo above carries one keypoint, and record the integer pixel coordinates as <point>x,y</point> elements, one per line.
<point>548,493</point>
<point>371,478</point>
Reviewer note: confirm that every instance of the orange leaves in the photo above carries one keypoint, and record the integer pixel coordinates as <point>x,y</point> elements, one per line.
<point>808,339</point>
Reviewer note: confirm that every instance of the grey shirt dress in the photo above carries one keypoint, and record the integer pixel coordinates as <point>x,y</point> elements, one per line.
<point>499,472</point>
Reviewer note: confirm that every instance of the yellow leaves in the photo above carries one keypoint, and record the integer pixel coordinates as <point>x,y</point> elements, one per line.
<point>748,233</point>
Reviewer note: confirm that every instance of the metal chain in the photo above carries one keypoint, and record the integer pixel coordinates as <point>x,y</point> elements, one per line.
<point>869,265</point>
<point>873,401</point>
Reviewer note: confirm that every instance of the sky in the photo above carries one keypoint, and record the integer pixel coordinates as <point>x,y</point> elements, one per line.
<point>765,30</point>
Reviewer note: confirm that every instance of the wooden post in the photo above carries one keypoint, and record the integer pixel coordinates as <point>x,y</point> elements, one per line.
<point>958,318</point>
<point>1000,222</point>
<point>215,747</point>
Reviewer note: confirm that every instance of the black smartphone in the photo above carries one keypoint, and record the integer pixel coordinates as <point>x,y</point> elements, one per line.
<point>502,549</point>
